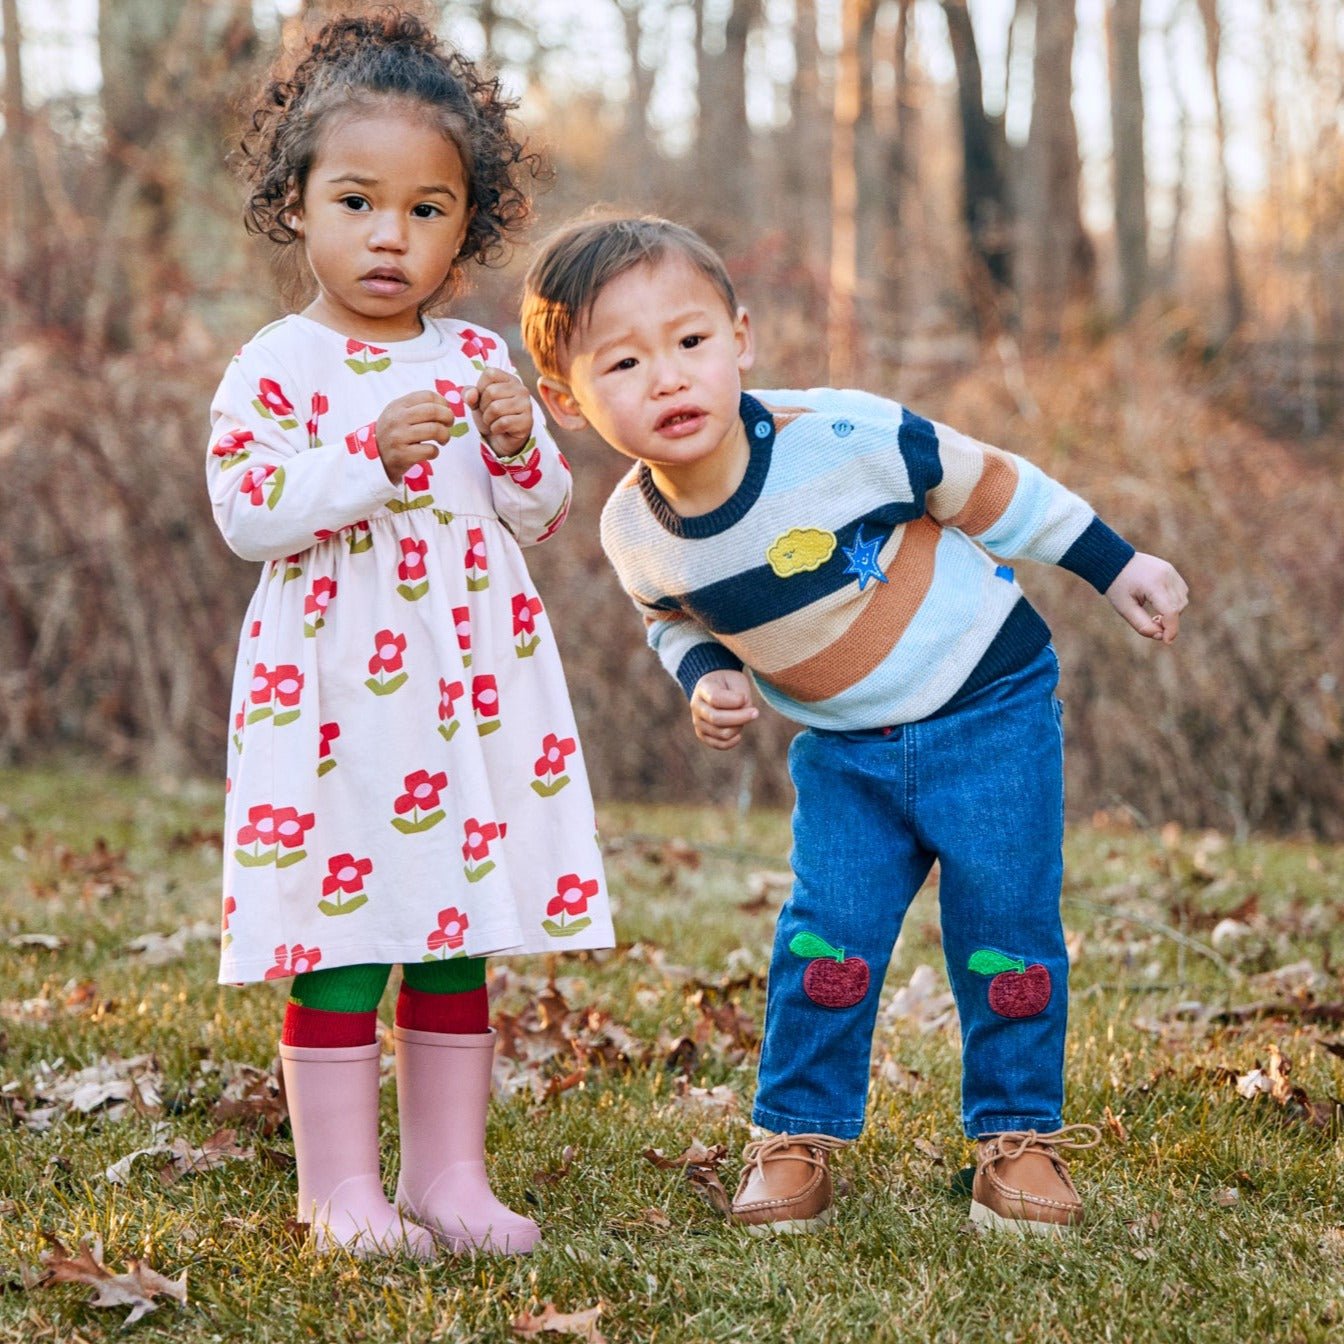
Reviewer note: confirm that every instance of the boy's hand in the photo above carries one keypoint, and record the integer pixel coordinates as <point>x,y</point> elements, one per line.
<point>502,410</point>
<point>720,705</point>
<point>1145,582</point>
<point>410,430</point>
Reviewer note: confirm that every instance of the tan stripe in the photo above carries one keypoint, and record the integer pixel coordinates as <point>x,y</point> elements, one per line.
<point>991,496</point>
<point>876,630</point>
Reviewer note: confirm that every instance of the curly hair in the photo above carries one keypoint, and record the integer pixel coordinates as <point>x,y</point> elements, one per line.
<point>358,61</point>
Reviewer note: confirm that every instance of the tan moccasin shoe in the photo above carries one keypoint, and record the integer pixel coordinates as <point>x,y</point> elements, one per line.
<point>1022,1185</point>
<point>786,1186</point>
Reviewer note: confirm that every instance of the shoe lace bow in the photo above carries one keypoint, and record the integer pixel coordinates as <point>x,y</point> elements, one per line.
<point>759,1151</point>
<point>1017,1142</point>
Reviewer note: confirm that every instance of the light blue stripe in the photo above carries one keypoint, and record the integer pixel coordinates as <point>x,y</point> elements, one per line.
<point>1012,534</point>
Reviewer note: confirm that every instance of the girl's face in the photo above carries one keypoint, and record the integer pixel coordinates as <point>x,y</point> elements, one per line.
<point>384,212</point>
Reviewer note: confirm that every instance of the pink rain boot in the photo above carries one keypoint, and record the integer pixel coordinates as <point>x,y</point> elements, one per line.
<point>443,1091</point>
<point>333,1111</point>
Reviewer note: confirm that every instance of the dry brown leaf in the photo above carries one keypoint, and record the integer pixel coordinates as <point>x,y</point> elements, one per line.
<point>50,942</point>
<point>550,1321</point>
<point>554,1174</point>
<point>1226,1197</point>
<point>137,1288</point>
<point>1116,1126</point>
<point>930,1150</point>
<point>696,1154</point>
<point>717,1100</point>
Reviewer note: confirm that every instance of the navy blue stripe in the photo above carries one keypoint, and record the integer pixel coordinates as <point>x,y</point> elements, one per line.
<point>1098,555</point>
<point>760,428</point>
<point>702,658</point>
<point>754,596</point>
<point>918,442</point>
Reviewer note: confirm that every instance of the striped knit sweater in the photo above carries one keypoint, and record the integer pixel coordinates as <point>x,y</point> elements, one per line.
<point>844,573</point>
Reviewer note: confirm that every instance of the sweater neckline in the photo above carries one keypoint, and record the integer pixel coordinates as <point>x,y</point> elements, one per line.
<point>760,428</point>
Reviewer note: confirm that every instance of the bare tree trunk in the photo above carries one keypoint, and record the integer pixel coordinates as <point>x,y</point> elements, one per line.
<point>840,326</point>
<point>869,222</point>
<point>806,160</point>
<point>20,205</point>
<point>1171,259</point>
<point>986,206</point>
<point>1131,179</point>
<point>1233,295</point>
<point>1054,251</point>
<point>641,77</point>
<point>725,138</point>
<point>896,172</point>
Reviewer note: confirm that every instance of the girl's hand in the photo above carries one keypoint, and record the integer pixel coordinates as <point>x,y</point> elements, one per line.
<point>1145,582</point>
<point>720,706</point>
<point>502,410</point>
<point>410,430</point>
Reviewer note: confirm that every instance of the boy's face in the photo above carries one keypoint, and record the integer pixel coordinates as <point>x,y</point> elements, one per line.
<point>656,369</point>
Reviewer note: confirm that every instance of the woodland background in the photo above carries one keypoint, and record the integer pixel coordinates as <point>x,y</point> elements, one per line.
<point>1106,234</point>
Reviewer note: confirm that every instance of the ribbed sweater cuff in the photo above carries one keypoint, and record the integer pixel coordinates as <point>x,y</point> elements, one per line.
<point>1098,555</point>
<point>704,658</point>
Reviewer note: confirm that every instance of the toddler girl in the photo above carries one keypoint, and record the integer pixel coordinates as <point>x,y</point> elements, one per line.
<point>404,779</point>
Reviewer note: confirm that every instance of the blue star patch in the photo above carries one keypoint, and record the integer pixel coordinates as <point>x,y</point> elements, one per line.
<point>862,557</point>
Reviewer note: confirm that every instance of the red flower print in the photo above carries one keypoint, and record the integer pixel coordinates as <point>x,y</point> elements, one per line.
<point>462,622</point>
<point>554,750</point>
<point>346,873</point>
<point>422,791</point>
<point>253,481</point>
<point>262,685</point>
<point>476,557</point>
<point>320,404</point>
<point>525,611</point>
<point>319,595</point>
<point>290,826</point>
<point>387,650</point>
<point>524,474</point>
<point>255,630</point>
<point>230,905</point>
<point>273,399</point>
<point>555,524</point>
<point>363,440</point>
<point>412,564</point>
<point>235,441</point>
<point>329,733</point>
<point>353,347</point>
<point>296,960</point>
<point>260,828</point>
<point>571,896</point>
<point>417,478</point>
<point>484,697</point>
<point>452,394</point>
<point>475,345</point>
<point>451,933</point>
<point>287,683</point>
<point>448,694</point>
<point>479,834</point>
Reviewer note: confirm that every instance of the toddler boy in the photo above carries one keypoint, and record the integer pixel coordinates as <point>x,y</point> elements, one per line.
<point>840,554</point>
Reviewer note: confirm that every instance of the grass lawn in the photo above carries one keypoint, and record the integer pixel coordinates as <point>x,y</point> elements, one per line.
<point>1213,1215</point>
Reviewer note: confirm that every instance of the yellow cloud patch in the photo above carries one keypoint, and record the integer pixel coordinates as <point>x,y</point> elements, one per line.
<point>800,550</point>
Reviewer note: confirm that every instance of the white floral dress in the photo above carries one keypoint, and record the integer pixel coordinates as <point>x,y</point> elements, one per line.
<point>404,777</point>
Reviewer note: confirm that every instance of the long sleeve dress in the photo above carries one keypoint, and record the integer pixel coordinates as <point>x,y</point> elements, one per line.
<point>404,777</point>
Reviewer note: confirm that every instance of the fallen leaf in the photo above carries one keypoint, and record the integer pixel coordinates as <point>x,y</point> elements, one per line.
<point>137,1288</point>
<point>1226,1197</point>
<point>930,1150</point>
<point>718,1100</point>
<point>550,1321</point>
<point>554,1174</point>
<point>696,1154</point>
<point>1116,1126</point>
<point>50,941</point>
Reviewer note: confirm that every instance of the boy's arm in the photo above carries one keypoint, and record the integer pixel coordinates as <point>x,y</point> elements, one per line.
<point>1015,511</point>
<point>272,492</point>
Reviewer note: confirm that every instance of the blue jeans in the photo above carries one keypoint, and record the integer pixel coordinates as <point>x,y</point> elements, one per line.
<point>980,788</point>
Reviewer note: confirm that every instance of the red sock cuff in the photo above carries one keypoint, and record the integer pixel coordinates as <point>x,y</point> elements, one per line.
<point>462,1014</point>
<point>320,1028</point>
